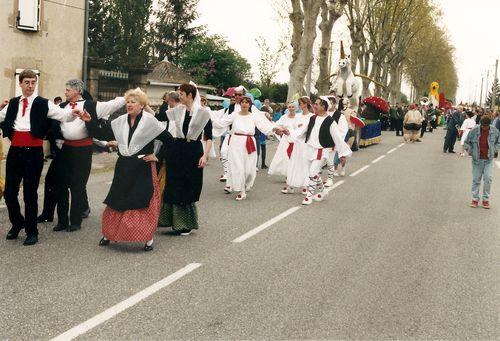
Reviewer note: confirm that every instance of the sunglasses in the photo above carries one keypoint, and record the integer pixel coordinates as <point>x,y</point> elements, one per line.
<point>239,95</point>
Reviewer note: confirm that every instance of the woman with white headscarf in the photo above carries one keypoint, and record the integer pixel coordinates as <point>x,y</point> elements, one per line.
<point>185,160</point>
<point>133,201</point>
<point>279,164</point>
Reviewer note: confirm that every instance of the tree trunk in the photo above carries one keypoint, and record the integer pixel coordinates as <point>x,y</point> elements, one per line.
<point>303,47</point>
<point>329,14</point>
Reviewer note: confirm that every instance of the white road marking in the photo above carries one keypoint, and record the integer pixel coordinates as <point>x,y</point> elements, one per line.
<point>264,226</point>
<point>360,170</point>
<point>392,150</point>
<point>401,145</point>
<point>123,305</point>
<point>498,164</point>
<point>378,159</point>
<point>335,185</point>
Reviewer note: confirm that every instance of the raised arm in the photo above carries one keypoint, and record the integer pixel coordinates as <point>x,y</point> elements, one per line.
<point>341,147</point>
<point>59,114</point>
<point>263,124</point>
<point>223,122</point>
<point>104,109</point>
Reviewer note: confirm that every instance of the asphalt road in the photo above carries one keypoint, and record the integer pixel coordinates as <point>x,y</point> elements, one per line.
<point>392,253</point>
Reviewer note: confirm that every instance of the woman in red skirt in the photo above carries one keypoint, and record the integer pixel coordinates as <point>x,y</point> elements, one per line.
<point>133,201</point>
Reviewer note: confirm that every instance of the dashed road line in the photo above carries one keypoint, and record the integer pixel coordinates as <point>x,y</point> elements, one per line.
<point>401,145</point>
<point>267,224</point>
<point>392,150</point>
<point>360,170</point>
<point>498,164</point>
<point>124,305</point>
<point>378,159</point>
<point>335,185</point>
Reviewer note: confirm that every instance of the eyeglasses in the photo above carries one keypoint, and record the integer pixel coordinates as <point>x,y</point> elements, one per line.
<point>239,95</point>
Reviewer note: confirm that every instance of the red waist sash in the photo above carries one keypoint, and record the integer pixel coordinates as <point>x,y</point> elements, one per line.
<point>87,142</point>
<point>289,150</point>
<point>249,144</point>
<point>25,139</point>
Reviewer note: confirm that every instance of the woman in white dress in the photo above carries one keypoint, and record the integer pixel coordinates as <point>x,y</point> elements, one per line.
<point>297,173</point>
<point>242,151</point>
<point>279,164</point>
<point>469,123</point>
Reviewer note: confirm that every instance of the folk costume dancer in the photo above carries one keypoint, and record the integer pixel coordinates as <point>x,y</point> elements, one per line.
<point>348,127</point>
<point>321,135</point>
<point>297,174</point>
<point>242,150</point>
<point>25,121</point>
<point>333,160</point>
<point>133,201</point>
<point>279,164</point>
<point>76,154</point>
<point>185,161</point>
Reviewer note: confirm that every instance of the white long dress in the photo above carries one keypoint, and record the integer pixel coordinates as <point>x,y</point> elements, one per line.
<point>242,169</point>
<point>279,164</point>
<point>298,166</point>
<point>466,127</point>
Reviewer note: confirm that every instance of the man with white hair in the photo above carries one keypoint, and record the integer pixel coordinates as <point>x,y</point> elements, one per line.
<point>76,154</point>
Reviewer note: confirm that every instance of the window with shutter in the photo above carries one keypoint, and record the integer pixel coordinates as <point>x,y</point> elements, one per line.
<point>18,88</point>
<point>28,15</point>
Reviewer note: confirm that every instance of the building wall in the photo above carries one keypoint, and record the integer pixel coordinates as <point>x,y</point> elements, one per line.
<point>56,50</point>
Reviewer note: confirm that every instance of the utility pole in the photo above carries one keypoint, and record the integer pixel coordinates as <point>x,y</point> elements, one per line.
<point>493,92</point>
<point>486,87</point>
<point>85,44</point>
<point>481,96</point>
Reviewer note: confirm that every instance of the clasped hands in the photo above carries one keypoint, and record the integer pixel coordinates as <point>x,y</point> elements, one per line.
<point>281,131</point>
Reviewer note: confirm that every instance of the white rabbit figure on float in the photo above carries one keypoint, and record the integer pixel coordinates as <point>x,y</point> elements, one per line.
<point>347,84</point>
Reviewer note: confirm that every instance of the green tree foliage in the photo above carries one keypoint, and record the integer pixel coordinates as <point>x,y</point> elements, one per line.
<point>211,61</point>
<point>118,32</point>
<point>495,89</point>
<point>172,29</point>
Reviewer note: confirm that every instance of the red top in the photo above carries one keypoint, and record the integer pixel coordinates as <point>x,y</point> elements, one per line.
<point>483,143</point>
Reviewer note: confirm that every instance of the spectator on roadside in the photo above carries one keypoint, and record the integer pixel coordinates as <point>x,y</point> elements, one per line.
<point>453,124</point>
<point>277,115</point>
<point>482,143</point>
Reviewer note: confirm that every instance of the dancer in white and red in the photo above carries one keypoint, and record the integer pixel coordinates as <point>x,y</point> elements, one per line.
<point>335,111</point>
<point>279,164</point>
<point>297,174</point>
<point>242,155</point>
<point>321,134</point>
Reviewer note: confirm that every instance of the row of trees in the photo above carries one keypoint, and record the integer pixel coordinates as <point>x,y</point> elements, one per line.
<point>391,39</point>
<point>126,34</point>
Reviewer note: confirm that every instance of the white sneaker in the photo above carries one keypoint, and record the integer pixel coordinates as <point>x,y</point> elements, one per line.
<point>342,172</point>
<point>228,189</point>
<point>318,197</point>
<point>329,183</point>
<point>187,233</point>
<point>287,190</point>
<point>256,169</point>
<point>304,190</point>
<point>336,173</point>
<point>241,196</point>
<point>248,188</point>
<point>307,201</point>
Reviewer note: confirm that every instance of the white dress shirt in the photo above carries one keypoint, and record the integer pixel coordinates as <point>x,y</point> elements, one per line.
<point>22,123</point>
<point>77,130</point>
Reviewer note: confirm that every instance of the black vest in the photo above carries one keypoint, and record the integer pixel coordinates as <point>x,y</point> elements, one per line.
<point>325,138</point>
<point>38,117</point>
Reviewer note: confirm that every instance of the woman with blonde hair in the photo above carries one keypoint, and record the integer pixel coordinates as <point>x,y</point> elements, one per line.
<point>133,201</point>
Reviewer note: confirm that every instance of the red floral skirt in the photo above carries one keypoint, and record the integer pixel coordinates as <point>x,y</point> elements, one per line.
<point>133,225</point>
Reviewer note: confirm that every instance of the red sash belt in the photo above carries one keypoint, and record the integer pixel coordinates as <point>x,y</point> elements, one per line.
<point>87,142</point>
<point>320,154</point>
<point>25,139</point>
<point>289,150</point>
<point>250,144</point>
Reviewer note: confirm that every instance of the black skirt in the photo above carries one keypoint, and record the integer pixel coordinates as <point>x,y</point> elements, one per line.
<point>412,126</point>
<point>132,186</point>
<point>184,179</point>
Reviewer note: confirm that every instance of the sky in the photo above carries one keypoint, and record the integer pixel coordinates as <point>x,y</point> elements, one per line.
<point>474,31</point>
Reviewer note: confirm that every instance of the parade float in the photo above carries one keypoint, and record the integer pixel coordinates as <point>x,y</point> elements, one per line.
<point>372,132</point>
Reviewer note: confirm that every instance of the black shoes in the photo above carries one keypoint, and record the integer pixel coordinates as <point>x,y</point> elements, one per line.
<point>73,228</point>
<point>104,242</point>
<point>86,213</point>
<point>30,240</point>
<point>13,233</point>
<point>148,247</point>
<point>44,219</point>
<point>60,227</point>
<point>264,167</point>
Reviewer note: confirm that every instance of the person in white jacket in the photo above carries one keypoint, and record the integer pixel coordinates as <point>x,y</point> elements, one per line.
<point>469,123</point>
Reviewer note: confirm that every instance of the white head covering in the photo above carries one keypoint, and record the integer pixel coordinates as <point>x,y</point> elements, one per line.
<point>199,118</point>
<point>240,88</point>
